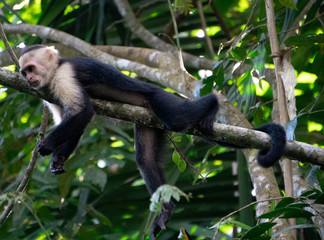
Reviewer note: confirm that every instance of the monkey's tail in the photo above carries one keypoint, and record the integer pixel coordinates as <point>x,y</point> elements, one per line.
<point>268,157</point>
<point>210,103</point>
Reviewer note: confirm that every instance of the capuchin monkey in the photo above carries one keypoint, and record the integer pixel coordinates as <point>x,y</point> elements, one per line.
<point>71,82</point>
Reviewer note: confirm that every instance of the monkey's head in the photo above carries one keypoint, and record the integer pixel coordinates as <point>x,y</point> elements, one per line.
<point>38,65</point>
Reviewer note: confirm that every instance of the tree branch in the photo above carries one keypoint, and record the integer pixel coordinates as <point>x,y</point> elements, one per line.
<point>243,137</point>
<point>5,41</point>
<point>168,78</point>
<point>204,28</point>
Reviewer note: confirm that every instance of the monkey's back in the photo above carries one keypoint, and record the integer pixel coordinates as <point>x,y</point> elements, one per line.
<point>89,71</point>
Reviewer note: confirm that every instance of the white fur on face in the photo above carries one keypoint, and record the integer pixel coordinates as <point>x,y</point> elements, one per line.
<point>58,79</point>
<point>45,63</point>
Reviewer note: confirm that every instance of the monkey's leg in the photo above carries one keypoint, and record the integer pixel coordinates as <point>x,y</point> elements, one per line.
<point>149,143</point>
<point>178,114</point>
<point>61,154</point>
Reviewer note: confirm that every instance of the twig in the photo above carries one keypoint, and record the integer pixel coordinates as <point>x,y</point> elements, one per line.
<point>295,24</point>
<point>204,28</point>
<point>236,211</point>
<point>6,43</point>
<point>151,40</point>
<point>12,10</point>
<point>29,168</point>
<point>242,34</point>
<point>184,158</point>
<point>174,24</point>
<point>220,20</point>
<point>169,31</point>
<point>146,5</point>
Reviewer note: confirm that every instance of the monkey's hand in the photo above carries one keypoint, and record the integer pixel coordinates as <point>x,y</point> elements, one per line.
<point>45,148</point>
<point>160,221</point>
<point>57,165</point>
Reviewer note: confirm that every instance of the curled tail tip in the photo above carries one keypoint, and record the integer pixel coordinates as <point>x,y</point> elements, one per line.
<point>267,162</point>
<point>268,157</point>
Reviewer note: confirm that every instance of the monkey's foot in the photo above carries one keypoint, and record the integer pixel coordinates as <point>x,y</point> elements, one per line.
<point>206,126</point>
<point>57,165</point>
<point>58,171</point>
<point>44,148</point>
<point>160,221</point>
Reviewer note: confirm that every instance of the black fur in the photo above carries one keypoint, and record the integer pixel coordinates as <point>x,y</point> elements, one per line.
<point>268,157</point>
<point>32,48</point>
<point>64,138</point>
<point>102,81</point>
<point>177,114</point>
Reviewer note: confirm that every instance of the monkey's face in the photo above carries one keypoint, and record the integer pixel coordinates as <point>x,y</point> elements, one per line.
<point>38,67</point>
<point>34,73</point>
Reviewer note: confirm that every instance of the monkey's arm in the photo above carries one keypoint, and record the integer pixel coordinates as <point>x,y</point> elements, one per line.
<point>64,139</point>
<point>71,127</point>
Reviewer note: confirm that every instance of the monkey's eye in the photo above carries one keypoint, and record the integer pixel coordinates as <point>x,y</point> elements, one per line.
<point>30,68</point>
<point>23,73</point>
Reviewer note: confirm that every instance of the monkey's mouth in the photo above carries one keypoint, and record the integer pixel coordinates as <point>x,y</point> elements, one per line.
<point>34,84</point>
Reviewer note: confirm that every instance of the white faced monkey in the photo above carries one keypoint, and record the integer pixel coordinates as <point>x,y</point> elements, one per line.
<point>72,81</point>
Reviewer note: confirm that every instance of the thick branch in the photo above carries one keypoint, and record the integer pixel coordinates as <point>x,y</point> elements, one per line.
<point>243,137</point>
<point>171,78</point>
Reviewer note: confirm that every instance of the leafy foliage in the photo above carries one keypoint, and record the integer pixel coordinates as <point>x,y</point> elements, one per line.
<point>184,5</point>
<point>102,196</point>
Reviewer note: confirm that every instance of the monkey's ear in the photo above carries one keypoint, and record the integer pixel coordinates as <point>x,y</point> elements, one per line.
<point>52,48</point>
<point>52,52</point>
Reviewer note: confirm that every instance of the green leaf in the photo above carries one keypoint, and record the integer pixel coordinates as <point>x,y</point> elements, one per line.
<point>311,193</point>
<point>304,40</point>
<point>219,74</point>
<point>320,199</point>
<point>207,88</point>
<point>258,230</point>
<point>176,196</point>
<point>274,236</point>
<point>176,157</point>
<point>184,5</point>
<point>272,214</point>
<point>260,58</point>
<point>239,53</point>
<point>285,202</point>
<point>287,212</point>
<point>177,139</point>
<point>239,224</point>
<point>182,165</point>
<point>53,11</point>
<point>297,213</point>
<point>163,195</point>
<point>65,182</point>
<point>299,205</point>
<point>96,176</point>
<point>166,194</point>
